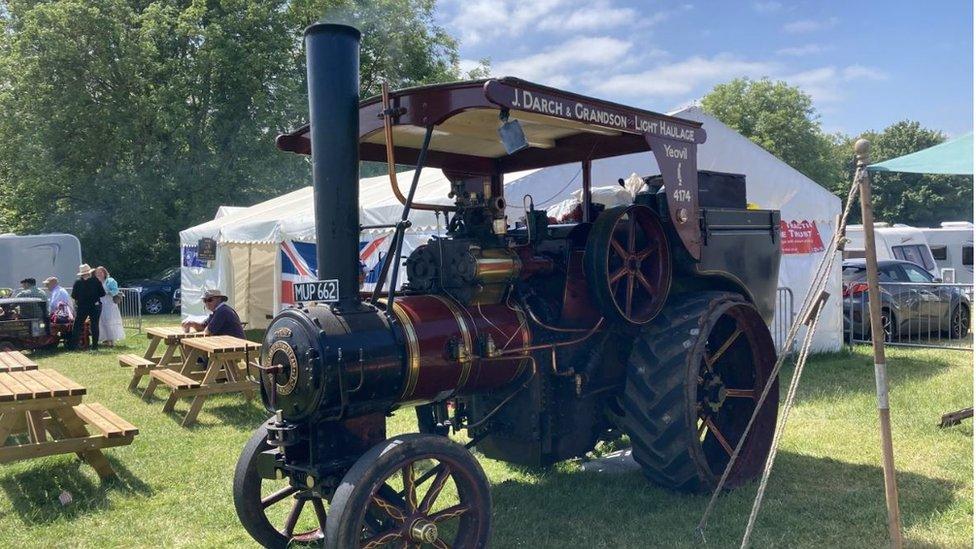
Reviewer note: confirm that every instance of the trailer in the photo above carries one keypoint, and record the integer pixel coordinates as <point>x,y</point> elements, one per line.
<point>952,248</point>
<point>898,241</point>
<point>38,256</point>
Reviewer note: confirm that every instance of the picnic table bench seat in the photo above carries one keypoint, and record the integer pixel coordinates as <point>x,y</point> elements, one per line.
<point>47,406</point>
<point>15,361</point>
<point>174,379</point>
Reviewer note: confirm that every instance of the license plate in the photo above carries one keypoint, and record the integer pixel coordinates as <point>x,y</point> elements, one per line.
<point>326,291</point>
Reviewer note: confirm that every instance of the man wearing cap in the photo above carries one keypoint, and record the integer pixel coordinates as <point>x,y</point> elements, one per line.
<point>87,293</point>
<point>223,319</point>
<point>56,296</point>
<point>29,289</point>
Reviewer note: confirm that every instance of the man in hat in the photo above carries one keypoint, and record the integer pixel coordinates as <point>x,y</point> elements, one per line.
<point>28,288</point>
<point>223,319</point>
<point>87,293</point>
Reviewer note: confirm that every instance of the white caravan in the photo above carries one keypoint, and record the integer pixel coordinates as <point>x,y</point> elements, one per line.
<point>952,248</point>
<point>38,256</point>
<point>896,241</point>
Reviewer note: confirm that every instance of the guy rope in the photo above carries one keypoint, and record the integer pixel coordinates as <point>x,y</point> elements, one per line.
<point>809,316</point>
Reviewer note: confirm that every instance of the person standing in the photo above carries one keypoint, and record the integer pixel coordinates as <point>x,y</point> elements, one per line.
<point>110,327</point>
<point>28,288</point>
<point>87,293</point>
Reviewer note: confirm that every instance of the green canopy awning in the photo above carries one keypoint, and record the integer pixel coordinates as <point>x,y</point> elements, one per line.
<point>954,157</point>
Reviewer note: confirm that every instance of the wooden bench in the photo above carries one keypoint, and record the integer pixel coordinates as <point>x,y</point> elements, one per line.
<point>174,380</point>
<point>169,337</point>
<point>45,403</point>
<point>140,367</point>
<point>15,361</point>
<point>226,360</point>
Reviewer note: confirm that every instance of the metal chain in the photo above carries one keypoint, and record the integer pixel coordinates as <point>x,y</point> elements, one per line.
<point>811,300</point>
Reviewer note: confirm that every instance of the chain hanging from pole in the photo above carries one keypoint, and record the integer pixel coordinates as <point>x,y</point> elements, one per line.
<point>810,312</point>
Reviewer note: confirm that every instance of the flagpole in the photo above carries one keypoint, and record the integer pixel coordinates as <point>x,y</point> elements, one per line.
<point>862,151</point>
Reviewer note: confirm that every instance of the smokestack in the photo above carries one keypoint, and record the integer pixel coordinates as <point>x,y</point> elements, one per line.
<point>332,53</point>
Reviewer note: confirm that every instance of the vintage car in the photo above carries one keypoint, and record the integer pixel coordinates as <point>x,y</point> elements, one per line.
<point>24,324</point>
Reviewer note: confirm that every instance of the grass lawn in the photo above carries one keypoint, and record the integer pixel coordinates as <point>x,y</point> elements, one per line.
<point>826,490</point>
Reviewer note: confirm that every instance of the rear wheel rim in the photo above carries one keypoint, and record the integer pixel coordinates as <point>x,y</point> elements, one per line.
<point>154,305</point>
<point>734,365</point>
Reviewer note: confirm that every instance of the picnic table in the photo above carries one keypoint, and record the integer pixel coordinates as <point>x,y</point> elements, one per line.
<point>44,403</point>
<point>172,357</point>
<point>226,360</point>
<point>15,361</point>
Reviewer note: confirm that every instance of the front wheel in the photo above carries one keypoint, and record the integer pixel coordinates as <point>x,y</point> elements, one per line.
<point>693,380</point>
<point>261,503</point>
<point>414,490</point>
<point>959,322</point>
<point>155,304</point>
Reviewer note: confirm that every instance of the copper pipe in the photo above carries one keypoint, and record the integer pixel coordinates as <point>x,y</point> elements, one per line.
<point>391,161</point>
<point>580,339</point>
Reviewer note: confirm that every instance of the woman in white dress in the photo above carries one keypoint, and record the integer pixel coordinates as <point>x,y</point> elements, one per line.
<point>110,327</point>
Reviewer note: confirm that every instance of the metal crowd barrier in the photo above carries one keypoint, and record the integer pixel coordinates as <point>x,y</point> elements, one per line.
<point>783,319</point>
<point>131,308</point>
<point>936,315</point>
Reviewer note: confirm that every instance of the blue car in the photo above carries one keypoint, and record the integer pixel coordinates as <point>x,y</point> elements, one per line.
<point>161,293</point>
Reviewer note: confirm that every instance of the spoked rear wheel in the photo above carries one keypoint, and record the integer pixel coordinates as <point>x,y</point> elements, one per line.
<point>693,380</point>
<point>273,512</point>
<point>413,490</point>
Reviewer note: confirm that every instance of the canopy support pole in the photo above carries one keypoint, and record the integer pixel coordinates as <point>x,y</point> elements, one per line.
<point>862,150</point>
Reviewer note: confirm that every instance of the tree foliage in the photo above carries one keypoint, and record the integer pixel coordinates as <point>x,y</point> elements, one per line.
<point>126,121</point>
<point>914,199</point>
<point>779,118</point>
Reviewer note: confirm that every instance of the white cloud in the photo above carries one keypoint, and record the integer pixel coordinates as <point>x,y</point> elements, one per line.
<point>477,20</point>
<point>826,84</point>
<point>809,25</point>
<point>767,7</point>
<point>555,65</point>
<point>683,77</point>
<point>800,51</point>
<point>600,15</point>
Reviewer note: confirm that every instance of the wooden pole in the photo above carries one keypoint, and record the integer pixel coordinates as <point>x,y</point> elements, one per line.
<point>862,150</point>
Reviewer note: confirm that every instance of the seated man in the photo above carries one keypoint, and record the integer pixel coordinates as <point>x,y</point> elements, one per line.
<point>223,320</point>
<point>29,289</point>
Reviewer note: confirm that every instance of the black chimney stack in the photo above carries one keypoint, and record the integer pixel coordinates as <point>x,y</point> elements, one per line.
<point>332,53</point>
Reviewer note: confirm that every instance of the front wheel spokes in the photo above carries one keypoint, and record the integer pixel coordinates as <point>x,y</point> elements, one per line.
<point>277,496</point>
<point>381,539</point>
<point>292,520</point>
<point>393,511</point>
<point>449,513</point>
<point>435,489</point>
<point>410,486</point>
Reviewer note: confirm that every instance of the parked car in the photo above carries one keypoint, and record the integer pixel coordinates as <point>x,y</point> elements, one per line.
<point>24,324</point>
<point>912,302</point>
<point>159,293</point>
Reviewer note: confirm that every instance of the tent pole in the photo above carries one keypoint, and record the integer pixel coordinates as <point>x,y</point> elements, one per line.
<point>862,150</point>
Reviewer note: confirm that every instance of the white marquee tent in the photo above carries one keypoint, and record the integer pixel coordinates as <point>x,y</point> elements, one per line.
<point>262,249</point>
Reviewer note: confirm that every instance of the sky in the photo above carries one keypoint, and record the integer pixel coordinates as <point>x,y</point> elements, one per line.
<point>867,64</point>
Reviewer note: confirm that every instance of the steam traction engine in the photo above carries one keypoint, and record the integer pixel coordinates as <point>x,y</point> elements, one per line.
<point>540,338</point>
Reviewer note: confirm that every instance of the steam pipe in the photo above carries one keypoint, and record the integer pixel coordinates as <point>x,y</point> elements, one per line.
<point>332,55</point>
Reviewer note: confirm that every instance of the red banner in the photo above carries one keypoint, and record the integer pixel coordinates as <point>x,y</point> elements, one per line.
<point>800,237</point>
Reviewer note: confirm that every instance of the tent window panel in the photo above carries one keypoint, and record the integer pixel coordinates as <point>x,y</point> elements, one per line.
<point>940,253</point>
<point>967,256</point>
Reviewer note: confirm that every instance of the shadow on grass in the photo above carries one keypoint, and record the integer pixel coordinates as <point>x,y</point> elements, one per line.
<point>810,501</point>
<point>852,372</point>
<point>240,415</point>
<point>34,493</point>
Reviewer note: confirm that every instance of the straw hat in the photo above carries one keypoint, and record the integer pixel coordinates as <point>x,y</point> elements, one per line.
<point>213,293</point>
<point>84,269</point>
<point>50,280</point>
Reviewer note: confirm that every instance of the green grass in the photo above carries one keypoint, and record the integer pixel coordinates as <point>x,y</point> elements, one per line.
<point>826,490</point>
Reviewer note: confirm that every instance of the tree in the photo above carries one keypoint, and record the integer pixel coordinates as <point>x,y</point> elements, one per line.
<point>779,118</point>
<point>914,199</point>
<point>126,121</point>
